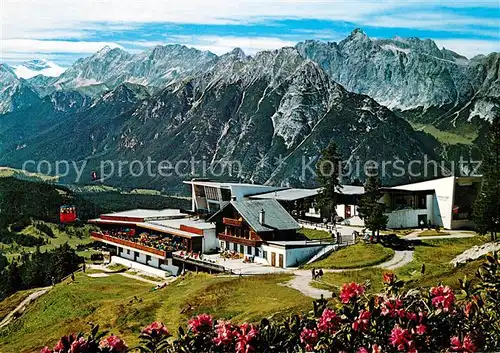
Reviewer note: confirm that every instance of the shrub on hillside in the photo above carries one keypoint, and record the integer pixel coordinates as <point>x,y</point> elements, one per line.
<point>20,225</point>
<point>42,227</point>
<point>412,321</point>
<point>8,237</point>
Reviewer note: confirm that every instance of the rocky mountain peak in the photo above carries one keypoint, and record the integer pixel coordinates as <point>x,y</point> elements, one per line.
<point>358,34</point>
<point>6,71</point>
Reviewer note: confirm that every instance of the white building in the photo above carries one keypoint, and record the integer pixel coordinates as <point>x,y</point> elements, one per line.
<point>446,202</point>
<point>209,196</point>
<point>149,237</point>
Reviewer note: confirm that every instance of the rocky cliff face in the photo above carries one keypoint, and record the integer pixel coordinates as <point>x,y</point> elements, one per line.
<point>109,68</point>
<point>411,75</point>
<point>15,93</point>
<point>271,114</point>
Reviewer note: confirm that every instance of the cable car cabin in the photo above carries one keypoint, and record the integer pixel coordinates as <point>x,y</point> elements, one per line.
<point>67,214</point>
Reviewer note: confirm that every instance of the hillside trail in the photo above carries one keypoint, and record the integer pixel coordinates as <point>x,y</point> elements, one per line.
<point>22,306</point>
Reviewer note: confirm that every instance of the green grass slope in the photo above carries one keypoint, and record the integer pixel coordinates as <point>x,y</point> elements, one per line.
<point>125,306</point>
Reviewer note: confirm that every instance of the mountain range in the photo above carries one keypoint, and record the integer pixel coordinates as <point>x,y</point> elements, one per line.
<point>272,112</point>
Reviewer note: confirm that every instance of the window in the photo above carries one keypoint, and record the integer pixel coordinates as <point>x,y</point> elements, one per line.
<point>235,247</point>
<point>242,250</point>
<point>264,255</point>
<point>148,258</point>
<point>249,250</point>
<point>227,246</point>
<point>128,251</point>
<point>222,245</point>
<point>257,252</point>
<point>211,193</point>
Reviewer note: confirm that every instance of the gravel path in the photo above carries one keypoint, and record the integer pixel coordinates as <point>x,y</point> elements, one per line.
<point>23,304</point>
<point>302,279</point>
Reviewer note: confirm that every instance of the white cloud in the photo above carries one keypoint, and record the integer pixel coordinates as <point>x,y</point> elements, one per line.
<point>32,16</point>
<point>52,46</point>
<point>469,47</point>
<point>49,24</point>
<point>440,21</point>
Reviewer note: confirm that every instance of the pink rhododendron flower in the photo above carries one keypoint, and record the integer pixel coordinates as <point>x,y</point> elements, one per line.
<point>114,344</point>
<point>392,307</point>
<point>361,323</point>
<point>156,329</point>
<point>467,346</point>
<point>200,323</point>
<point>59,347</point>
<point>401,339</point>
<point>421,329</point>
<point>224,333</point>
<point>363,350</point>
<point>309,337</point>
<point>376,349</point>
<point>442,297</point>
<point>328,322</point>
<point>350,291</point>
<point>46,350</point>
<point>64,342</point>
<point>244,338</point>
<point>79,346</point>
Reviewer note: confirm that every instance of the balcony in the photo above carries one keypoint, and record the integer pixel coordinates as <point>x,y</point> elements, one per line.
<point>232,222</point>
<point>239,240</point>
<point>118,241</point>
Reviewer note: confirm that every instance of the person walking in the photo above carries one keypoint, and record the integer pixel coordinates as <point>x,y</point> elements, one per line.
<point>422,224</point>
<point>313,273</point>
<point>320,273</point>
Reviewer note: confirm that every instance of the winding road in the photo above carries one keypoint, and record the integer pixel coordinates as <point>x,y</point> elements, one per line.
<point>302,279</point>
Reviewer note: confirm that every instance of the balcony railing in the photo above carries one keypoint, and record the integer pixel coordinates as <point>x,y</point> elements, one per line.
<point>239,240</point>
<point>130,244</point>
<point>232,222</point>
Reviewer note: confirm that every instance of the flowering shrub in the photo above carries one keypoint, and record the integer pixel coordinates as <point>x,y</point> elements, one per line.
<point>435,320</point>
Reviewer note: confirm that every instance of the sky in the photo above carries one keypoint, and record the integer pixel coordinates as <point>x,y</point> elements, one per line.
<point>65,30</point>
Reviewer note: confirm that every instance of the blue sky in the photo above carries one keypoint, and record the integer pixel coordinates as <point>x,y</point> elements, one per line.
<point>64,30</point>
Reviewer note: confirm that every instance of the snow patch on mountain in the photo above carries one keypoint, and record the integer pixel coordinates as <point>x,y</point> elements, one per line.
<point>33,68</point>
<point>396,50</point>
<point>484,110</point>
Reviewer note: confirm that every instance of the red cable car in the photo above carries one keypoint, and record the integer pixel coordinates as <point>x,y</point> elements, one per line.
<point>67,214</point>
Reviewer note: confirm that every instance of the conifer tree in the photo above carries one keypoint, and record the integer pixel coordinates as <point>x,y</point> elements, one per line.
<point>370,209</point>
<point>328,170</point>
<point>487,205</point>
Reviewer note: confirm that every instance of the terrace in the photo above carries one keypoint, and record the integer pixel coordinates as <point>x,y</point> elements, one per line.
<point>159,245</point>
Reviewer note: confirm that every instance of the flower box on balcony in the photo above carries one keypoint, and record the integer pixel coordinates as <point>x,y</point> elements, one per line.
<point>232,222</point>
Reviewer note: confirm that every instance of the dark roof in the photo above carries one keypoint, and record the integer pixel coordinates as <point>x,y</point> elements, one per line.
<point>287,194</point>
<point>276,217</point>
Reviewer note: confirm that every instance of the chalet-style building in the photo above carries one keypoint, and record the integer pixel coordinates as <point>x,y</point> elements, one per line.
<point>264,232</point>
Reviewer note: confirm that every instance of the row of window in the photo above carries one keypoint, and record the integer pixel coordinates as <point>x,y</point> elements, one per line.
<point>136,254</point>
<point>211,193</point>
<point>241,249</point>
